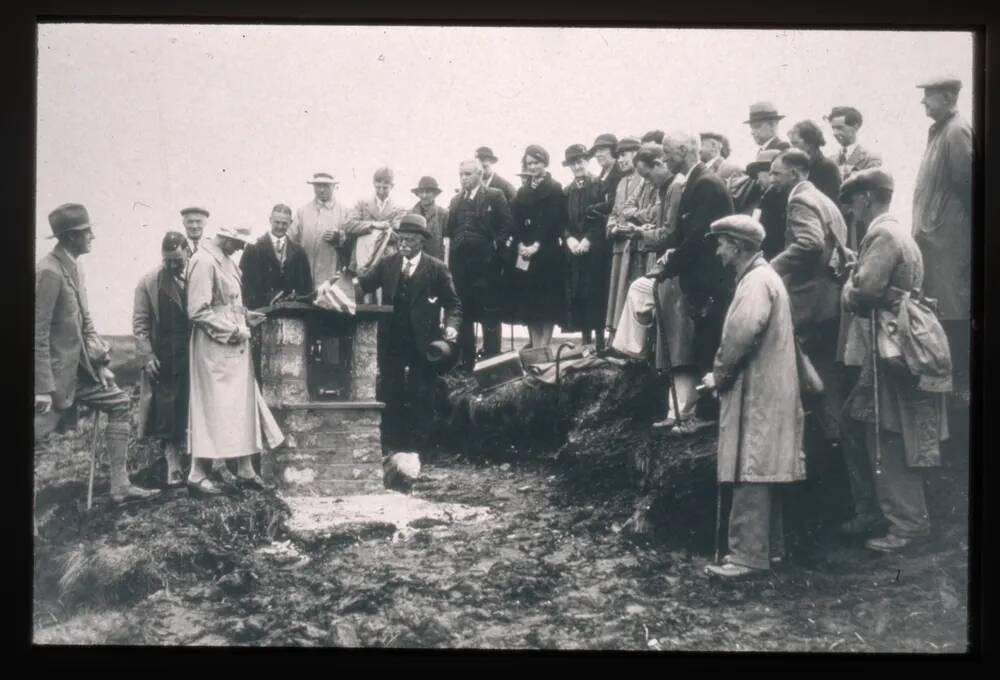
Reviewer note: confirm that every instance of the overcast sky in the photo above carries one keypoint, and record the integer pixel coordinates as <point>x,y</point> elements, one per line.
<point>138,121</point>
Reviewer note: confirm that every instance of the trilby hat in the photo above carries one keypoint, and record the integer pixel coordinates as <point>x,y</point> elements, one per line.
<point>763,111</point>
<point>68,217</point>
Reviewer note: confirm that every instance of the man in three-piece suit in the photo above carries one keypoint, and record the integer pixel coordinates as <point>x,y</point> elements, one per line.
<point>706,286</point>
<point>479,224</point>
<point>763,122</point>
<point>418,286</point>
<point>162,335</point>
<point>71,359</point>
<point>275,264</point>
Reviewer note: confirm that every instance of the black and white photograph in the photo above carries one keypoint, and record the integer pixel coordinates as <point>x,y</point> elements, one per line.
<point>458,337</point>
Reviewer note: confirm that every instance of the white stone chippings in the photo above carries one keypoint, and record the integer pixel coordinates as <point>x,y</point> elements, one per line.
<point>316,513</point>
<point>296,476</point>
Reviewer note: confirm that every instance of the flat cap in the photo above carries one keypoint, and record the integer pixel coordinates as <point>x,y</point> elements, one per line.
<point>742,227</point>
<point>194,210</point>
<point>413,223</point>
<point>872,178</point>
<point>944,82</point>
<point>322,178</point>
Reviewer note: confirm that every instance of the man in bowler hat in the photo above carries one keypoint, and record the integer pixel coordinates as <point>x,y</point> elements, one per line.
<point>71,359</point>
<point>418,286</point>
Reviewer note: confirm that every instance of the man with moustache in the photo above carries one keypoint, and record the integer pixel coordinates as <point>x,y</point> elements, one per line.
<point>491,180</point>
<point>194,219</point>
<point>479,226</point>
<point>162,334</point>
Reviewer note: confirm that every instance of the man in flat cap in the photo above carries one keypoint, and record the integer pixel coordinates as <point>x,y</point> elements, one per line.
<point>491,180</point>
<point>427,191</point>
<point>227,416</point>
<point>911,412</point>
<point>319,228</point>
<point>194,219</point>
<point>755,375</point>
<point>845,121</point>
<point>373,220</point>
<point>162,334</point>
<point>763,122</point>
<point>711,154</point>
<point>942,221</point>
<point>418,286</point>
<point>71,359</point>
<point>479,226</point>
<point>274,264</point>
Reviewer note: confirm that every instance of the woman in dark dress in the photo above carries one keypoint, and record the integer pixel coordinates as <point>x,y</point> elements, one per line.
<point>823,172</point>
<point>587,258</point>
<point>536,273</point>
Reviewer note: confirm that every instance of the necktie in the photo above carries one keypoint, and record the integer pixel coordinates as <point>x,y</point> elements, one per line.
<point>407,268</point>
<point>195,243</point>
<point>280,251</point>
<point>843,155</point>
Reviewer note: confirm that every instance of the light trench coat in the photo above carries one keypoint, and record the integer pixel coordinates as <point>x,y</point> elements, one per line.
<point>226,411</point>
<point>760,425</point>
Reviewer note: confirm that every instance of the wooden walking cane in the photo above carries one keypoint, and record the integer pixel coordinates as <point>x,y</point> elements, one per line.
<point>878,422</point>
<point>93,458</point>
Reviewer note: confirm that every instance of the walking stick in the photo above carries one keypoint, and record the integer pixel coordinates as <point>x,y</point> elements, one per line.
<point>718,518</point>
<point>93,459</point>
<point>878,422</point>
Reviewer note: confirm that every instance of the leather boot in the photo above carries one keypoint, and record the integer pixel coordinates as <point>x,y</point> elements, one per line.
<point>121,488</point>
<point>175,476</point>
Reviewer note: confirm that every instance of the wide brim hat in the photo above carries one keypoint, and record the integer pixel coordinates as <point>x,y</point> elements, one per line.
<point>742,227</point>
<point>866,180</point>
<point>322,178</point>
<point>486,153</point>
<point>414,224</point>
<point>427,184</point>
<point>763,111</point>
<point>607,140</point>
<point>69,217</point>
<point>236,233</point>
<point>575,151</point>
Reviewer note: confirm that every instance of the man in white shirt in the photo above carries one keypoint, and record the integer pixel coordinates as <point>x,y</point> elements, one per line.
<point>845,121</point>
<point>319,227</point>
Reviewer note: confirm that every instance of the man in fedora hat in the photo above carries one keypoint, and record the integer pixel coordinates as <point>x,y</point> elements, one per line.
<point>319,228</point>
<point>491,180</point>
<point>755,376</point>
<point>711,154</point>
<point>226,413</point>
<point>942,221</point>
<point>194,219</point>
<point>418,286</point>
<point>479,226</point>
<point>763,122</point>
<point>427,191</point>
<point>162,334</point>
<point>71,359</point>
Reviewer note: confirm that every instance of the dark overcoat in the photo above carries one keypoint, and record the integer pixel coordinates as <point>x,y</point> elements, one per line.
<point>539,216</point>
<point>264,277</point>
<point>478,231</point>
<point>587,273</point>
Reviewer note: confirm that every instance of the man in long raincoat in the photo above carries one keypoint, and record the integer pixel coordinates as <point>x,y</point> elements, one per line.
<point>226,411</point>
<point>760,424</point>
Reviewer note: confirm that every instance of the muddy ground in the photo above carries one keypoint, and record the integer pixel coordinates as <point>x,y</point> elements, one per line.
<point>543,558</point>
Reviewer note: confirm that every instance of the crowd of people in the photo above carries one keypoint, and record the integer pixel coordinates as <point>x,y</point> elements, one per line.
<point>784,283</point>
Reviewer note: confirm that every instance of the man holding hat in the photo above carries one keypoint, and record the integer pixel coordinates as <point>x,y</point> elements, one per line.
<point>71,359</point>
<point>372,220</point>
<point>711,154</point>
<point>942,217</point>
<point>319,228</point>
<point>911,419</point>
<point>162,335</point>
<point>491,180</point>
<point>418,286</point>
<point>763,122</point>
<point>194,225</point>
<point>226,413</point>
<point>427,191</point>
<point>760,425</point>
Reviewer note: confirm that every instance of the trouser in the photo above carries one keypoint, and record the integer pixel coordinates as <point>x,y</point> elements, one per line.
<point>900,488</point>
<point>959,334</point>
<point>407,385</point>
<point>819,343</point>
<point>637,318</point>
<point>855,453</point>
<point>756,525</point>
<point>467,341</point>
<point>595,334</point>
<point>111,400</point>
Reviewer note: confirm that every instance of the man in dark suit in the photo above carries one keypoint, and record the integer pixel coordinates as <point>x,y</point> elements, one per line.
<point>706,285</point>
<point>418,286</point>
<point>71,359</point>
<point>763,122</point>
<point>491,180</point>
<point>275,264</point>
<point>479,225</point>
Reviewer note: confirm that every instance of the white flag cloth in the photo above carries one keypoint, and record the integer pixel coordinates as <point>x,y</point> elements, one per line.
<point>337,294</point>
